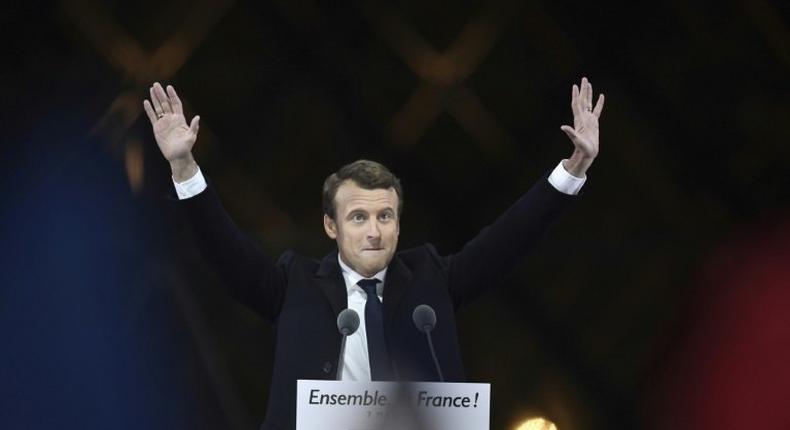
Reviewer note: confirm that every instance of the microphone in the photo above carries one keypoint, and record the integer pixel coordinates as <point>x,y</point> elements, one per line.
<point>347,324</point>
<point>425,320</point>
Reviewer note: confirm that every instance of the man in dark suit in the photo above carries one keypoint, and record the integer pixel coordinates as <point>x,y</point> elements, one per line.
<point>362,204</point>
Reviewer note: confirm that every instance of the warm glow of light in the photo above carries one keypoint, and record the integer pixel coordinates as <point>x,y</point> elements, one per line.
<point>133,158</point>
<point>537,423</point>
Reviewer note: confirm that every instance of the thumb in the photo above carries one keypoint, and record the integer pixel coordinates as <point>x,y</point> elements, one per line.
<point>195,124</point>
<point>570,132</point>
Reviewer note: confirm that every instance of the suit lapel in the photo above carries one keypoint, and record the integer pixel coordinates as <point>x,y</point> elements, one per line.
<point>397,284</point>
<point>330,280</point>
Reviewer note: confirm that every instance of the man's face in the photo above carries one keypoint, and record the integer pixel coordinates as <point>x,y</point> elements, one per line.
<point>366,227</point>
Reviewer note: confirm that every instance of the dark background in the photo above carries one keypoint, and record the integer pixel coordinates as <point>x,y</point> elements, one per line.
<point>109,314</point>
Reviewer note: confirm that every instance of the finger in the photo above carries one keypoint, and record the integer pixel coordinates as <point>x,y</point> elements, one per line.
<point>599,106</point>
<point>163,99</point>
<point>586,95</point>
<point>570,132</point>
<point>194,126</point>
<point>575,106</point>
<point>155,102</point>
<point>174,100</point>
<point>589,95</point>
<point>149,110</point>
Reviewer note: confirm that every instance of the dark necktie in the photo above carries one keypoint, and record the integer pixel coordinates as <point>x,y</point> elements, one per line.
<point>374,328</point>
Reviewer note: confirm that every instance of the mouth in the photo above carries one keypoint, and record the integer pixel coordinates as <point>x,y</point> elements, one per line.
<point>373,249</point>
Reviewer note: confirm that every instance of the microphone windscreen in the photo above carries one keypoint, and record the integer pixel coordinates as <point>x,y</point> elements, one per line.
<point>347,322</point>
<point>424,318</point>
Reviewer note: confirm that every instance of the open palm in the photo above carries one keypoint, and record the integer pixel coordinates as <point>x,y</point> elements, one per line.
<point>173,136</point>
<point>584,133</point>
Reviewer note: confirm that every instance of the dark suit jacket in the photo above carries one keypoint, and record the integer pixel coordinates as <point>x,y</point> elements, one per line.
<point>302,297</point>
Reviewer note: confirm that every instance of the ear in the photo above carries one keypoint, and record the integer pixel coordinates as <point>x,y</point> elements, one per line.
<point>330,227</point>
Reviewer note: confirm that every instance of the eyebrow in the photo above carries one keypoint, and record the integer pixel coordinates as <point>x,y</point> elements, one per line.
<point>363,211</point>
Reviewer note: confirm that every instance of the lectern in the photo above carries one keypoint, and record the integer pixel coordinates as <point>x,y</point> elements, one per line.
<point>342,405</point>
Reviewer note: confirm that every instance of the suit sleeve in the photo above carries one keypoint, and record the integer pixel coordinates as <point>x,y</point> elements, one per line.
<point>485,260</point>
<point>251,275</point>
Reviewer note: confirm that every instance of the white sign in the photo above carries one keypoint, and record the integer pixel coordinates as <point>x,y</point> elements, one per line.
<point>339,405</point>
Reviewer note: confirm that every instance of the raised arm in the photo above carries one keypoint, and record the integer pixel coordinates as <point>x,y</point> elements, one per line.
<point>253,278</point>
<point>491,255</point>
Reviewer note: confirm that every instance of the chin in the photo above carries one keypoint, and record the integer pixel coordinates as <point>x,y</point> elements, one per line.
<point>374,268</point>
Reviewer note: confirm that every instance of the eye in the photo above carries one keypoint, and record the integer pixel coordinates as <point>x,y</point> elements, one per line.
<point>357,217</point>
<point>386,216</point>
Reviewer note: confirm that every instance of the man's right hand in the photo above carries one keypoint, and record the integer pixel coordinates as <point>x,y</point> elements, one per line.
<point>174,137</point>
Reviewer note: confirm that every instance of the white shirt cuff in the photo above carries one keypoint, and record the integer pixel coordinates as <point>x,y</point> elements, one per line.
<point>564,182</point>
<point>191,187</point>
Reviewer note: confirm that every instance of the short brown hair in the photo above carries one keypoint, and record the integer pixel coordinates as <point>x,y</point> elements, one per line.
<point>367,174</point>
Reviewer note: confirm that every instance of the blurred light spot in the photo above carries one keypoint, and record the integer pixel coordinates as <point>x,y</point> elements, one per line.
<point>537,423</point>
<point>134,164</point>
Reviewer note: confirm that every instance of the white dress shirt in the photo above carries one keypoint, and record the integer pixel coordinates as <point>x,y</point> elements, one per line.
<point>355,365</point>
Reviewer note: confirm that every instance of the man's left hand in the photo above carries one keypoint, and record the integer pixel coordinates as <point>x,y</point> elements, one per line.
<point>584,133</point>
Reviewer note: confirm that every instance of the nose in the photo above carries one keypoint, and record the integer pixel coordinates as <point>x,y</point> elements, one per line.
<point>374,232</point>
